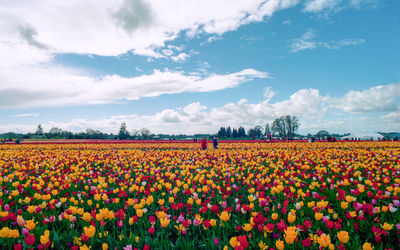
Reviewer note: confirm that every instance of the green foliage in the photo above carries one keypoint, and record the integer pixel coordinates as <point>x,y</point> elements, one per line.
<point>286,126</point>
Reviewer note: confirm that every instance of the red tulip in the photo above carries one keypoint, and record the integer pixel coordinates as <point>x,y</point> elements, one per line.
<point>337,225</point>
<point>30,240</point>
<point>18,246</point>
<point>84,238</point>
<point>243,241</point>
<point>152,219</point>
<point>307,224</point>
<point>306,242</point>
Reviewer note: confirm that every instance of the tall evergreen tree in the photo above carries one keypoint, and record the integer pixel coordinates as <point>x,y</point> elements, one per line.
<point>235,133</point>
<point>222,132</point>
<point>123,132</point>
<point>39,130</point>
<point>229,132</point>
<point>241,132</point>
<point>267,129</point>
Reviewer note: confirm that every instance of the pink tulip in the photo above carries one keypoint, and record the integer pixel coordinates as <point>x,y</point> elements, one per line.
<point>216,241</point>
<point>52,218</point>
<point>196,222</point>
<point>181,219</point>
<point>25,231</point>
<point>20,221</point>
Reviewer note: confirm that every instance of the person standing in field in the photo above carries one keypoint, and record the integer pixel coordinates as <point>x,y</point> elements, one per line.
<point>204,143</point>
<point>215,142</point>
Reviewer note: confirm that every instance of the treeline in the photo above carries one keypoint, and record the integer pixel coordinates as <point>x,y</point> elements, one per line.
<point>283,127</point>
<point>231,133</point>
<point>123,134</point>
<point>57,133</point>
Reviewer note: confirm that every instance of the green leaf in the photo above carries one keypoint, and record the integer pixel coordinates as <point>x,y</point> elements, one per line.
<point>56,240</point>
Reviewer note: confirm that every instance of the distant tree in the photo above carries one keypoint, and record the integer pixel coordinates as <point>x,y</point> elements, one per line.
<point>255,132</point>
<point>267,129</point>
<point>222,132</point>
<point>144,133</point>
<point>123,133</point>
<point>322,134</point>
<point>229,132</point>
<point>258,130</point>
<point>278,127</point>
<point>292,125</point>
<point>286,126</point>
<point>39,130</point>
<point>55,131</point>
<point>134,134</point>
<point>235,133</point>
<point>241,132</point>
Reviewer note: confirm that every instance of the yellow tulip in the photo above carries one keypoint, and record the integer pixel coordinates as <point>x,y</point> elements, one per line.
<point>343,236</point>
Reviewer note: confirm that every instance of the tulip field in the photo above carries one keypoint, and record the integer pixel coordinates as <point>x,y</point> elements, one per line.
<point>174,195</point>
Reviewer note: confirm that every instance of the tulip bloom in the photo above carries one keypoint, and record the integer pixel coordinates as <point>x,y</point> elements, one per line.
<point>280,245</point>
<point>30,225</point>
<point>387,227</point>
<point>20,221</point>
<point>164,222</point>
<point>291,218</point>
<point>367,246</point>
<point>324,240</point>
<point>30,240</point>
<point>216,241</point>
<point>290,235</point>
<point>343,236</point>
<point>225,216</point>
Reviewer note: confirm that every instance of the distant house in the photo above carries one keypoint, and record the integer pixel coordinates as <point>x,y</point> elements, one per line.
<point>364,137</point>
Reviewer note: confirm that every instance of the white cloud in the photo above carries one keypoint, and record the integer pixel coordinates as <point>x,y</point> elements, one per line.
<point>341,43</point>
<point>269,93</point>
<point>308,41</point>
<point>112,28</point>
<point>287,22</point>
<point>376,99</point>
<point>212,39</point>
<point>180,57</point>
<point>27,115</point>
<point>392,118</point>
<point>324,8</point>
<point>49,86</point>
<point>319,5</point>
<point>314,110</point>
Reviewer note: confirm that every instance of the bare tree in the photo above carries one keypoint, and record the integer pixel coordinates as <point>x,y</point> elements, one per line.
<point>39,130</point>
<point>286,126</point>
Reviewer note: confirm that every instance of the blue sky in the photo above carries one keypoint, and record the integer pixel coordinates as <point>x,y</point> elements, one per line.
<point>193,66</point>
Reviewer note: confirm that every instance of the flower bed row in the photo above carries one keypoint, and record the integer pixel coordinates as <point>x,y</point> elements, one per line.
<point>291,195</point>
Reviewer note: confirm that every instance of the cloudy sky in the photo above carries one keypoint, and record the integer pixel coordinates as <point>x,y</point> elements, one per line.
<point>189,66</point>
